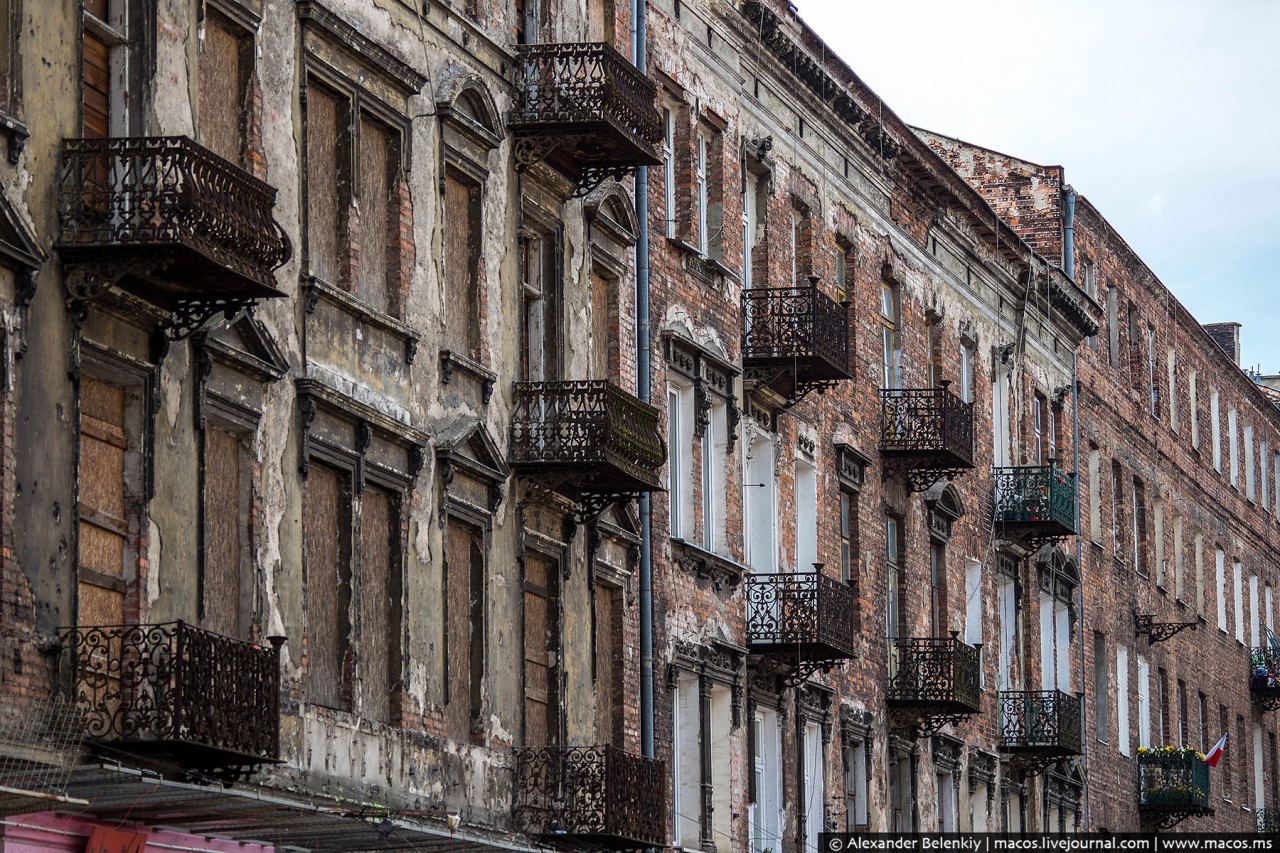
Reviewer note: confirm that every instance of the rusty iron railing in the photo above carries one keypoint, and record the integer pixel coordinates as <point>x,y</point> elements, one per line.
<point>927,422</point>
<point>592,428</point>
<point>1036,497</point>
<point>168,191</point>
<point>803,612</point>
<point>177,684</point>
<point>601,793</point>
<point>591,88</point>
<point>936,670</point>
<point>796,326</point>
<point>1047,720</point>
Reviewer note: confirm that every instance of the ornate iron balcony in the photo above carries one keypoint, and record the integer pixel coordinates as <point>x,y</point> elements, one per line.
<point>1268,820</point>
<point>1041,722</point>
<point>936,676</point>
<point>587,436</point>
<point>1264,676</point>
<point>1173,784</point>
<point>807,617</point>
<point>169,220</point>
<point>1037,501</point>
<point>175,691</point>
<point>596,794</point>
<point>584,107</point>
<point>799,331</point>
<point>928,427</point>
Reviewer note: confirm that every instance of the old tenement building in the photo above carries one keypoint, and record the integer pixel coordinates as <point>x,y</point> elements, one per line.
<point>601,425</point>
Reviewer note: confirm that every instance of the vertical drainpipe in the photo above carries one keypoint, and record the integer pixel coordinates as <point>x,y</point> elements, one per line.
<point>1069,267</point>
<point>644,392</point>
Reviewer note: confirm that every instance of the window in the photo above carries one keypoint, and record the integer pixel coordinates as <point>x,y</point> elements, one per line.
<point>1090,279</point>
<point>353,213</point>
<point>1255,613</point>
<point>902,796</point>
<point>226,63</point>
<point>1164,721</point>
<point>700,180</point>
<point>1250,482</point>
<point>714,499</point>
<point>1095,493</point>
<point>680,460</point>
<point>1122,698</point>
<point>463,306</point>
<point>1038,407</point>
<point>760,488</point>
<point>891,354</point>
<point>1154,389</point>
<point>895,617</point>
<point>104,67</point>
<point>608,662</point>
<point>1215,424</point>
<point>967,355</point>
<point>378,656</point>
<point>1263,458</point>
<point>465,554</point>
<point>1010,663</point>
<point>1204,719</point>
<point>937,588</point>
<point>669,169</point>
<point>1144,703</point>
<point>1200,594</point>
<point>766,780</point>
<point>1275,480</point>
<point>1117,513</point>
<point>1237,577</point>
<point>541,311</point>
<point>1139,552</point>
<point>1173,389</point>
<point>797,247</point>
<point>1193,409</point>
<point>687,764</point>
<point>1102,708</point>
<point>1158,536</point>
<point>541,642</point>
<point>1271,626</point>
<point>1001,435</point>
<point>848,535</point>
<point>1113,326</point>
<point>1221,563</point>
<point>226,562</point>
<point>1184,733</point>
<point>855,784</point>
<point>973,609</point>
<point>753,221</point>
<point>1179,559</point>
<point>934,365</point>
<point>844,270</point>
<point>326,513</point>
<point>815,795</point>
<point>806,498</point>
<point>1233,446</point>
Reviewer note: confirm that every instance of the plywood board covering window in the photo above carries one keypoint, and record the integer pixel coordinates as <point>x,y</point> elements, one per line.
<point>461,253</point>
<point>542,647</point>
<point>225,516</point>
<point>464,625</point>
<point>324,199</point>
<point>325,517</point>
<point>104,524</point>
<point>376,231</point>
<point>223,85</point>
<point>378,659</point>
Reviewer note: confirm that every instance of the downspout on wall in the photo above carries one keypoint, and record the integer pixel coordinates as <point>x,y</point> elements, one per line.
<point>644,392</point>
<point>1069,233</point>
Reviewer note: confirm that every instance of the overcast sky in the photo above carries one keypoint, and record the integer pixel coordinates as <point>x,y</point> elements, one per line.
<point>1166,115</point>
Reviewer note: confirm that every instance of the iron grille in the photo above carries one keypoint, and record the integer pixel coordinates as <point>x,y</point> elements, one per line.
<point>588,88</point>
<point>927,423</point>
<point>591,431</point>
<point>1268,820</point>
<point>1264,669</point>
<point>1176,780</point>
<point>936,671</point>
<point>1036,497</point>
<point>806,613</point>
<point>168,192</point>
<point>798,327</point>
<point>599,792</point>
<point>177,684</point>
<point>1046,720</point>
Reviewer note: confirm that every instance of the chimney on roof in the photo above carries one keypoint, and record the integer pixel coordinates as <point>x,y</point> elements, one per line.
<point>1227,336</point>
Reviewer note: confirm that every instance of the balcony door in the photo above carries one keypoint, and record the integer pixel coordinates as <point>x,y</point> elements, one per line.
<point>105,507</point>
<point>541,649</point>
<point>104,69</point>
<point>539,261</point>
<point>759,500</point>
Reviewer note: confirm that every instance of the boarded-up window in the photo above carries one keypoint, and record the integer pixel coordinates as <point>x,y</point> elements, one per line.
<point>375,206</point>
<point>608,664</point>
<point>464,625</point>
<point>225,532</point>
<point>96,89</point>
<point>604,324</point>
<point>541,649</point>
<point>326,196</point>
<point>104,524</point>
<point>326,523</point>
<point>224,66</point>
<point>461,255</point>
<point>378,654</point>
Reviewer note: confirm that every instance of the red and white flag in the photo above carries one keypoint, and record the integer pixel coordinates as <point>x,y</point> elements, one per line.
<point>1213,756</point>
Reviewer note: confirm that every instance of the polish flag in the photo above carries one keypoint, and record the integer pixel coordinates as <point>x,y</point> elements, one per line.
<point>1213,756</point>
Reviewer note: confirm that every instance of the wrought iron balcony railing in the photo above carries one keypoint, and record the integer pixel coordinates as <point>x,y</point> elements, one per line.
<point>596,794</point>
<point>1173,781</point>
<point>591,436</point>
<point>1041,721</point>
<point>1267,819</point>
<point>808,616</point>
<point>1036,500</point>
<point>583,105</point>
<point>928,426</point>
<point>936,675</point>
<point>800,329</point>
<point>176,690</point>
<point>188,224</point>
<point>1264,676</point>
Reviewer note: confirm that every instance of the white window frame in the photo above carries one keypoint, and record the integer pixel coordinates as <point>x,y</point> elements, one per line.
<point>669,167</point>
<point>1215,418</point>
<point>1233,445</point>
<point>1173,389</point>
<point>1237,578</point>
<point>701,183</point>
<point>766,812</point>
<point>680,471</point>
<point>806,506</point>
<point>1193,401</point>
<point>1144,703</point>
<point>1122,699</point>
<point>1220,563</point>
<point>1250,477</point>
